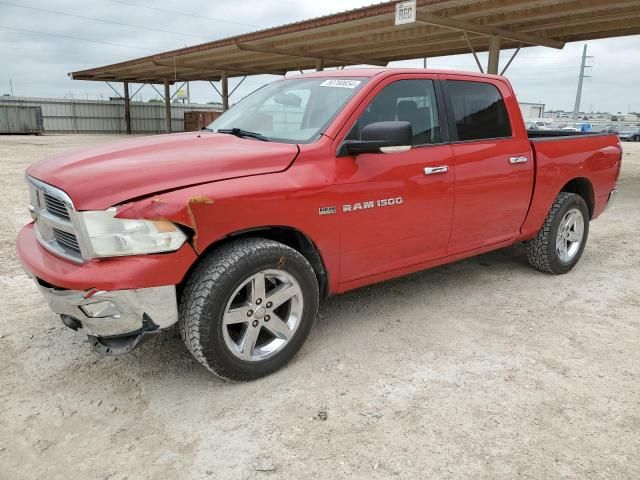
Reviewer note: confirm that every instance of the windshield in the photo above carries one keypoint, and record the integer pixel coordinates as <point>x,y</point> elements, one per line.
<point>292,111</point>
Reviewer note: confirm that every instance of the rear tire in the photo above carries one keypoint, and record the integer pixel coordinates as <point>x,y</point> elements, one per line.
<point>559,244</point>
<point>248,307</point>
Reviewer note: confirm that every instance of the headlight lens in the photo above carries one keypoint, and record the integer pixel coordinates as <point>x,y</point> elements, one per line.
<point>114,237</point>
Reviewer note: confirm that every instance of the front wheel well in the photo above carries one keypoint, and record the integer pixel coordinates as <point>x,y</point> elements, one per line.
<point>583,187</point>
<point>290,237</point>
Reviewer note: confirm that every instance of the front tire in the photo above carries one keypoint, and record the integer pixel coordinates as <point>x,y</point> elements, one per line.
<point>559,244</point>
<point>248,307</point>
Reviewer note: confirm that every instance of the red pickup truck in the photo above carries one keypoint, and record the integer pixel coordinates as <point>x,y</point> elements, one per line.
<point>311,186</point>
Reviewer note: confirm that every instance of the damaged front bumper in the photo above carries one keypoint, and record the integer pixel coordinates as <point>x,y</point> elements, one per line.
<point>120,312</point>
<point>116,302</point>
<point>118,321</point>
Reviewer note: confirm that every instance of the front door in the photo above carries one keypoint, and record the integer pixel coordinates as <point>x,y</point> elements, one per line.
<point>396,208</point>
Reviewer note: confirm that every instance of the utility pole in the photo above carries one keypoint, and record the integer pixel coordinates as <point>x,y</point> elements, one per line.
<point>576,107</point>
<point>127,108</point>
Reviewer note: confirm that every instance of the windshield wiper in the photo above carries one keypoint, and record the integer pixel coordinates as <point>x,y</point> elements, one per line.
<point>238,132</point>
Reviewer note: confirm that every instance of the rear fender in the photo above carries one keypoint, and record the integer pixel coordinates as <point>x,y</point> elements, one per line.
<point>585,165</point>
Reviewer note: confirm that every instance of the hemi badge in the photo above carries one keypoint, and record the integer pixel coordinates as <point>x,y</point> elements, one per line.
<point>326,210</point>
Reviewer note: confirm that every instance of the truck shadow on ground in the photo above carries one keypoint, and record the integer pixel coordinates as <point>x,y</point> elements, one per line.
<point>338,311</point>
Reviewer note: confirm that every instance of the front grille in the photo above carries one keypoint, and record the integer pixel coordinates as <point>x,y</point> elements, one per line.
<point>55,206</point>
<point>67,241</point>
<point>55,221</point>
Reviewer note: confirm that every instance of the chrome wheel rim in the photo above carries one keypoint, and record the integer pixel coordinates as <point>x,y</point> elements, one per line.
<point>570,235</point>
<point>262,315</point>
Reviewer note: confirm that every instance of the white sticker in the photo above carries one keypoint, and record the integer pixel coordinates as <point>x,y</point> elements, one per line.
<point>341,83</point>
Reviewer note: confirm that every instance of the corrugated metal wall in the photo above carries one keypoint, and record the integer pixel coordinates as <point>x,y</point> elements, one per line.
<point>96,116</point>
<point>20,119</point>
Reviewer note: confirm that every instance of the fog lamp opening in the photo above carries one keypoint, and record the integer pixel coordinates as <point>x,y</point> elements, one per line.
<point>101,310</point>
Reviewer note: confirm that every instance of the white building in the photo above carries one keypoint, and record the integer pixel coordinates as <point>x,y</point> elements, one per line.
<point>531,110</point>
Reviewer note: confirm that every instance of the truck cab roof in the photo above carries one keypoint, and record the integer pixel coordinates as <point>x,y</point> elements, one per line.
<point>388,71</point>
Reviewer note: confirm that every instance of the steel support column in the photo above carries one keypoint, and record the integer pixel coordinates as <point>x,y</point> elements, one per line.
<point>224,81</point>
<point>494,56</point>
<point>167,106</point>
<point>127,108</point>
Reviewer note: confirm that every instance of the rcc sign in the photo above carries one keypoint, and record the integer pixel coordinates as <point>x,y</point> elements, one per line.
<point>405,12</point>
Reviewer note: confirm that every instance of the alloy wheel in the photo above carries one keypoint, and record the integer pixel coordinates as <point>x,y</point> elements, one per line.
<point>262,315</point>
<point>570,235</point>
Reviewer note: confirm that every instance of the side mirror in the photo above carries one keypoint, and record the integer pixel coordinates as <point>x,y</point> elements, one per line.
<point>380,137</point>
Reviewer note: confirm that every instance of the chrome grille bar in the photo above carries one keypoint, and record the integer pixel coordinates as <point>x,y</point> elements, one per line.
<point>67,241</point>
<point>55,206</point>
<point>57,227</point>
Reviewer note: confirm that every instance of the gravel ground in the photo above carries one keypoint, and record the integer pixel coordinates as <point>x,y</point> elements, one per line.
<point>479,369</point>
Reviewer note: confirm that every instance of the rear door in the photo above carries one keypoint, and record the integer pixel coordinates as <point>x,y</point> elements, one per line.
<point>493,162</point>
<point>393,212</point>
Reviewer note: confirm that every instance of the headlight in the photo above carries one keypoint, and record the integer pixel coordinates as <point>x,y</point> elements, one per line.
<point>114,237</point>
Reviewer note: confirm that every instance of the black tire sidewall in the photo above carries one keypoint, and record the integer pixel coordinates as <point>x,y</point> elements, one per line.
<point>214,347</point>
<point>558,266</point>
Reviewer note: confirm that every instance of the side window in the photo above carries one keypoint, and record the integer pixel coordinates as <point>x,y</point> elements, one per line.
<point>412,101</point>
<point>478,110</point>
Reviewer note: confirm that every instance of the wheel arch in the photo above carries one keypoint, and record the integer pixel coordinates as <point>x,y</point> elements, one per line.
<point>288,236</point>
<point>582,186</point>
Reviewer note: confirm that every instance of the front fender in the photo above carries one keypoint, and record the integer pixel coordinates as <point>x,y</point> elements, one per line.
<point>216,211</point>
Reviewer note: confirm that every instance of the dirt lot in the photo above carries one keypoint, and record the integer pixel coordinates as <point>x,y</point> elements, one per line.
<point>480,369</point>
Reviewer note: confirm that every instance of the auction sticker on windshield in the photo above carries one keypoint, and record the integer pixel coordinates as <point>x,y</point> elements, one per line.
<point>341,83</point>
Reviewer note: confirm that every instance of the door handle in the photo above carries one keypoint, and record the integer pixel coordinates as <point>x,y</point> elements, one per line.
<point>517,160</point>
<point>436,170</point>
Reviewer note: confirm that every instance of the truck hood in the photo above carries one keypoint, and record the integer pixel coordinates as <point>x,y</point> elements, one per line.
<point>99,177</point>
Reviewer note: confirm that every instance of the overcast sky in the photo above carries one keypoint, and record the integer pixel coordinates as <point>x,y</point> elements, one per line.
<point>38,48</point>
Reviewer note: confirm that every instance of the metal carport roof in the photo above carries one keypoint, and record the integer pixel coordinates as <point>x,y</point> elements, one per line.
<point>369,36</point>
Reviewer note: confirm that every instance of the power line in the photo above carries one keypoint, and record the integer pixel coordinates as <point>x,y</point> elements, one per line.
<point>48,51</point>
<point>56,12</point>
<point>174,12</point>
<point>76,38</point>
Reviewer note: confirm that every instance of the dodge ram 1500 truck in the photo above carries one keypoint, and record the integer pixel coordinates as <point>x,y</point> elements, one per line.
<point>310,186</point>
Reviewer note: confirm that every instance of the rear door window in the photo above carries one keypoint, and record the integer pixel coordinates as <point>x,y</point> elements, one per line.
<point>479,111</point>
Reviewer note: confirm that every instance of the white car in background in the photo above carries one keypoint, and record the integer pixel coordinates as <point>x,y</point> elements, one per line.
<point>539,123</point>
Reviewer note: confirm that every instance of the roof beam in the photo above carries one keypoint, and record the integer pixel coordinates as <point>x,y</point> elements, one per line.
<point>487,30</point>
<point>568,9</point>
<point>217,70</point>
<point>303,54</point>
<point>625,14</point>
